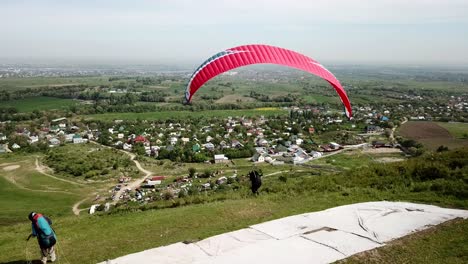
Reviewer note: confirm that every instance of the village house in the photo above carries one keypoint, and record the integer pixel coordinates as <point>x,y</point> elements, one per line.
<point>54,129</point>
<point>334,145</point>
<point>209,146</point>
<point>54,142</point>
<point>33,139</point>
<point>300,156</point>
<point>261,142</point>
<point>15,146</point>
<point>69,137</point>
<point>371,129</point>
<point>127,147</point>
<point>196,147</point>
<point>77,139</point>
<point>236,144</point>
<point>299,141</point>
<point>173,140</point>
<point>315,154</point>
<point>220,158</point>
<point>261,157</point>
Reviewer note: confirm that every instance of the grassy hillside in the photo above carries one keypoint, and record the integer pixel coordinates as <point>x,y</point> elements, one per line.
<point>441,244</point>
<point>442,181</point>
<point>23,189</point>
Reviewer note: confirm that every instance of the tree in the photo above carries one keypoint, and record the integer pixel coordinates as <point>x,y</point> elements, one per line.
<point>442,148</point>
<point>104,138</point>
<point>139,149</point>
<point>192,172</point>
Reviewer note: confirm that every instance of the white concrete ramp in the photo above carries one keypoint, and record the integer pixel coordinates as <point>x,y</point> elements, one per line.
<point>318,237</point>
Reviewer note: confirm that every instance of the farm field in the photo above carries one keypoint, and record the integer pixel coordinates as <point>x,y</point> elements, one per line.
<point>34,82</point>
<point>232,99</point>
<point>185,114</point>
<point>456,129</point>
<point>39,103</point>
<point>432,135</point>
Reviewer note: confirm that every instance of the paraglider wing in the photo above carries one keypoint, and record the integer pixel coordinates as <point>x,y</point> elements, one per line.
<point>255,54</point>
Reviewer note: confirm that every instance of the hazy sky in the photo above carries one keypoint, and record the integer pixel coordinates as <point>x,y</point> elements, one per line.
<point>343,31</point>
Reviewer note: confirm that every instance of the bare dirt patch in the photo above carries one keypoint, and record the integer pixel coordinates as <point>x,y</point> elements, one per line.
<point>389,159</point>
<point>381,150</point>
<point>422,130</point>
<point>431,135</point>
<point>11,167</point>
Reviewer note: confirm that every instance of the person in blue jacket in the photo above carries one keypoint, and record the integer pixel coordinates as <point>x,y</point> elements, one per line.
<point>41,228</point>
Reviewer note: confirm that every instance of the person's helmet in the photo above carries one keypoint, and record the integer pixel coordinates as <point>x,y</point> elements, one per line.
<point>31,215</point>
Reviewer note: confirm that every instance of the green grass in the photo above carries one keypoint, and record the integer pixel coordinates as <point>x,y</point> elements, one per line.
<point>447,243</point>
<point>457,130</point>
<point>111,235</point>
<point>34,82</point>
<point>344,160</point>
<point>24,190</point>
<point>101,236</point>
<point>242,166</point>
<point>318,99</point>
<point>39,103</point>
<point>184,114</point>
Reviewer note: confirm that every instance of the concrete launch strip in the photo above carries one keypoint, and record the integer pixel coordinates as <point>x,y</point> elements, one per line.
<point>318,237</point>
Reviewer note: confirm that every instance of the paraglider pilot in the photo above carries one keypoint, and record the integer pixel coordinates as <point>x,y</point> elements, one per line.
<point>256,180</point>
<point>41,228</point>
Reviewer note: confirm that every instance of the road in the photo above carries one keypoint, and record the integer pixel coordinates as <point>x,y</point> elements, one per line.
<point>134,184</point>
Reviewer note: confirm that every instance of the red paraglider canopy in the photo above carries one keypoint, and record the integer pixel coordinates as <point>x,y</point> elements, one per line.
<point>255,54</point>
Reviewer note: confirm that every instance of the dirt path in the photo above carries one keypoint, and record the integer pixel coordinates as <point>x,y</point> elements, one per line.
<point>392,137</point>
<point>7,164</point>
<point>42,170</point>
<point>134,184</point>
<point>19,186</point>
<point>11,167</point>
<point>75,208</point>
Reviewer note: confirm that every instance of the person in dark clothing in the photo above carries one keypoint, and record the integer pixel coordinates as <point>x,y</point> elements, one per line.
<point>41,228</point>
<point>256,180</point>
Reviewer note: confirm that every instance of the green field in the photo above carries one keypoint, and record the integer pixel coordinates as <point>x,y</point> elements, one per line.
<point>35,82</point>
<point>349,160</point>
<point>185,114</point>
<point>456,129</point>
<point>23,189</point>
<point>422,247</point>
<point>318,99</point>
<point>39,103</point>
